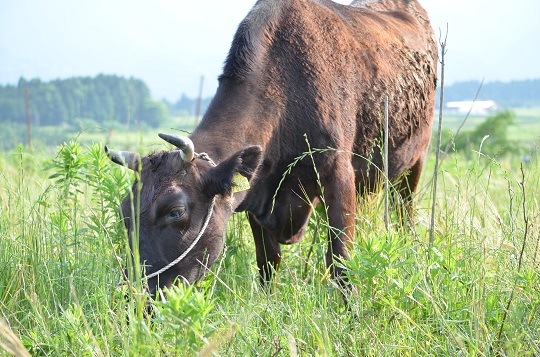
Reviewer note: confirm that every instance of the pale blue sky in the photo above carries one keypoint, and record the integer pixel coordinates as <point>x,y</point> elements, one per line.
<point>170,44</point>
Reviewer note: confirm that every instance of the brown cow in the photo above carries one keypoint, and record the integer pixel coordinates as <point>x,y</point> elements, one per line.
<point>299,73</point>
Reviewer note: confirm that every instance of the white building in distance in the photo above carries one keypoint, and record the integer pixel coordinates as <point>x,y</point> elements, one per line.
<point>479,107</point>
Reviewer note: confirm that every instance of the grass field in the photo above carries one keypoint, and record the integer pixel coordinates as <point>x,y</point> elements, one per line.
<point>526,128</point>
<point>475,292</point>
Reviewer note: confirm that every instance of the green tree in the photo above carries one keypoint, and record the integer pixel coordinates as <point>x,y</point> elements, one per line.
<point>495,131</point>
<point>152,113</point>
<point>11,105</point>
<point>102,99</point>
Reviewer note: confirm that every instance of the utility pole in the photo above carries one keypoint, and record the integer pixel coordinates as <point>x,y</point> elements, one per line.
<point>28,121</point>
<point>128,125</point>
<point>199,100</point>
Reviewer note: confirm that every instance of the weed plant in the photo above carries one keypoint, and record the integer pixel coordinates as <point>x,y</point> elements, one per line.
<point>475,292</point>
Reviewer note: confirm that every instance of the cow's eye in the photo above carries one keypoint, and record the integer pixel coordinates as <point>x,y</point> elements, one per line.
<point>176,213</point>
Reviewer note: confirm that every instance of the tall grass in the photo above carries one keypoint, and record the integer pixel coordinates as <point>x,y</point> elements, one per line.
<point>62,242</point>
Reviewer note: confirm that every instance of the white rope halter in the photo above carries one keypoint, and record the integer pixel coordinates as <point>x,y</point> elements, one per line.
<point>192,245</point>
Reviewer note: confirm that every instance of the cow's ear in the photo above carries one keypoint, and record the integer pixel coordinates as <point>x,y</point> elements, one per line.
<point>234,173</point>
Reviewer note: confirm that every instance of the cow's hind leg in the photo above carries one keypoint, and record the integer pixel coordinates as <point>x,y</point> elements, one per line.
<point>340,199</point>
<point>404,191</point>
<point>267,249</point>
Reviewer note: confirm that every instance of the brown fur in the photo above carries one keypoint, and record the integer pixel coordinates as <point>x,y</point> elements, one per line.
<point>319,69</point>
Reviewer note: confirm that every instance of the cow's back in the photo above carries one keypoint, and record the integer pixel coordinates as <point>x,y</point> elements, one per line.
<point>330,67</point>
<point>319,71</point>
<point>400,55</point>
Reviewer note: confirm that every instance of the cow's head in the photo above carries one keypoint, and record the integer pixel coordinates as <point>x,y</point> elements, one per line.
<point>180,207</point>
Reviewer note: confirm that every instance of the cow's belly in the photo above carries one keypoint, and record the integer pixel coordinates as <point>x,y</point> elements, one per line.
<point>369,169</point>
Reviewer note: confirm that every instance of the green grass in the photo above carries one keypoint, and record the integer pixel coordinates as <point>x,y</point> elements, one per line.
<point>466,295</point>
<point>136,137</point>
<point>525,130</point>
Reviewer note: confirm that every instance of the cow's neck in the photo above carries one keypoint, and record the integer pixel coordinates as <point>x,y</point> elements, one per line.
<point>232,123</point>
<point>220,145</point>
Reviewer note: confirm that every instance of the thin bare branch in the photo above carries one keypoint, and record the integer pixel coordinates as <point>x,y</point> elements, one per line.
<point>386,186</point>
<point>521,253</point>
<point>438,149</point>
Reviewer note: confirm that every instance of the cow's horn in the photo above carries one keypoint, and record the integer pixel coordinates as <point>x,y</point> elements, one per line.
<point>187,149</point>
<point>124,158</point>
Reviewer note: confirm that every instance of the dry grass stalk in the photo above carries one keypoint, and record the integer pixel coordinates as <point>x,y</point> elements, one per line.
<point>438,150</point>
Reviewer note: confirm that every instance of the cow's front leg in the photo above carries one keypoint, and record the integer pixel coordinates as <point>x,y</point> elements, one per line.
<point>340,200</point>
<point>267,250</point>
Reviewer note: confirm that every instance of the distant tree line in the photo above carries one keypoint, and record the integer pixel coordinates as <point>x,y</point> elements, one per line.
<point>103,99</point>
<point>186,106</point>
<point>525,93</point>
<point>107,100</point>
